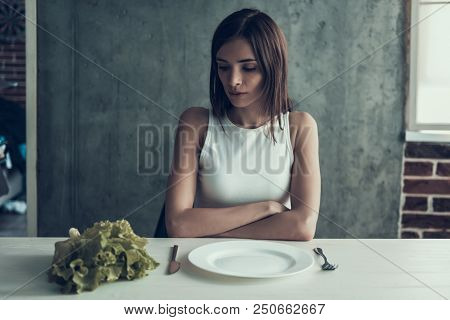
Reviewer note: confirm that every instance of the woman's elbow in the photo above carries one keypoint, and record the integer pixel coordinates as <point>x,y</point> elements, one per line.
<point>175,229</point>
<point>177,233</point>
<point>306,228</point>
<point>173,232</point>
<point>307,235</point>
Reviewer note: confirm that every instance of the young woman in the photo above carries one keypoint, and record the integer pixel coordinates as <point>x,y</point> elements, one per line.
<point>249,167</point>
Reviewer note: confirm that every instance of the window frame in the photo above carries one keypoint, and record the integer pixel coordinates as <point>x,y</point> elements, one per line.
<point>31,115</point>
<point>415,130</point>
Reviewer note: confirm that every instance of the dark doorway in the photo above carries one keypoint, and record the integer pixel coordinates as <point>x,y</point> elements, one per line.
<point>13,206</point>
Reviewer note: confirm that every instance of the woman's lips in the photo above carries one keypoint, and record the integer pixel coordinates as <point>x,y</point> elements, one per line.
<point>237,94</point>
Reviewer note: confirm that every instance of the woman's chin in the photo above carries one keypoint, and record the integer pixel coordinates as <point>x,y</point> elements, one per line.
<point>239,104</point>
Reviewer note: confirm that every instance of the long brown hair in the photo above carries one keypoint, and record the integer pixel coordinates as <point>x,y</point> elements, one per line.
<point>269,45</point>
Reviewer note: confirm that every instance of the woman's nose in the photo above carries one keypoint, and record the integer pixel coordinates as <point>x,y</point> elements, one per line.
<point>235,78</point>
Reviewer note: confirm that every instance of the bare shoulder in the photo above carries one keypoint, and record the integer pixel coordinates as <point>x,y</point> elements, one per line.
<point>196,118</point>
<point>298,122</point>
<point>302,119</point>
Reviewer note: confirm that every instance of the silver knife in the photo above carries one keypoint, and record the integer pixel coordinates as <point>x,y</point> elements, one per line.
<point>174,265</point>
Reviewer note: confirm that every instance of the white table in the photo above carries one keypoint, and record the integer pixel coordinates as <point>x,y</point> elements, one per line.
<point>368,269</point>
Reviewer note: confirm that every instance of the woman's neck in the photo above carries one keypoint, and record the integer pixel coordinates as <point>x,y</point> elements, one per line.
<point>249,118</point>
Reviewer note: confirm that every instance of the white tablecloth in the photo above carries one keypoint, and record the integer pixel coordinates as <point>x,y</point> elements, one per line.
<point>368,269</point>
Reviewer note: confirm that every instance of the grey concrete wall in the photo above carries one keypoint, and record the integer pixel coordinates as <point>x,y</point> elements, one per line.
<point>107,66</point>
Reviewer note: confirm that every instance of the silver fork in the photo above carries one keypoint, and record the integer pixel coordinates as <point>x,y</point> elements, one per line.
<point>326,266</point>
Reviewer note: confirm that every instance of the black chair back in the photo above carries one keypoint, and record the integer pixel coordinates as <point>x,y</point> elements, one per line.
<point>161,231</point>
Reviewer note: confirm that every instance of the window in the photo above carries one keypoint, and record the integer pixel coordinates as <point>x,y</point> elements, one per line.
<point>428,107</point>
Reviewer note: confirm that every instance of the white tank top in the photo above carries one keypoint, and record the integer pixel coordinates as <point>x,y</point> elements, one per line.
<point>231,164</point>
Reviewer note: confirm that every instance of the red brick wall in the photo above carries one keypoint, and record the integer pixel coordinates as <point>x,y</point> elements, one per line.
<point>12,69</point>
<point>425,203</point>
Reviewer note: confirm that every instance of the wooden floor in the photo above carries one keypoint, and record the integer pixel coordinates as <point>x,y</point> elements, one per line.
<point>13,225</point>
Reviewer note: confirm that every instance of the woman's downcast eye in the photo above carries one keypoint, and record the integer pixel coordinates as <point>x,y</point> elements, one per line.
<point>223,68</point>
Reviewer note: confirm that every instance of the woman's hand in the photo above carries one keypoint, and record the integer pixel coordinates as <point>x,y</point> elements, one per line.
<point>276,207</point>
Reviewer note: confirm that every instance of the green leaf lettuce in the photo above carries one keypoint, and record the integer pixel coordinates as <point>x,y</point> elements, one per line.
<point>106,252</point>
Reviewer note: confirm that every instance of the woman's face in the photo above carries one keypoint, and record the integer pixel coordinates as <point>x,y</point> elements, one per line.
<point>239,72</point>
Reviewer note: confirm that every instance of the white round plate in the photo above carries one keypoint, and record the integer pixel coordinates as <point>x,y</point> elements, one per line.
<point>251,259</point>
